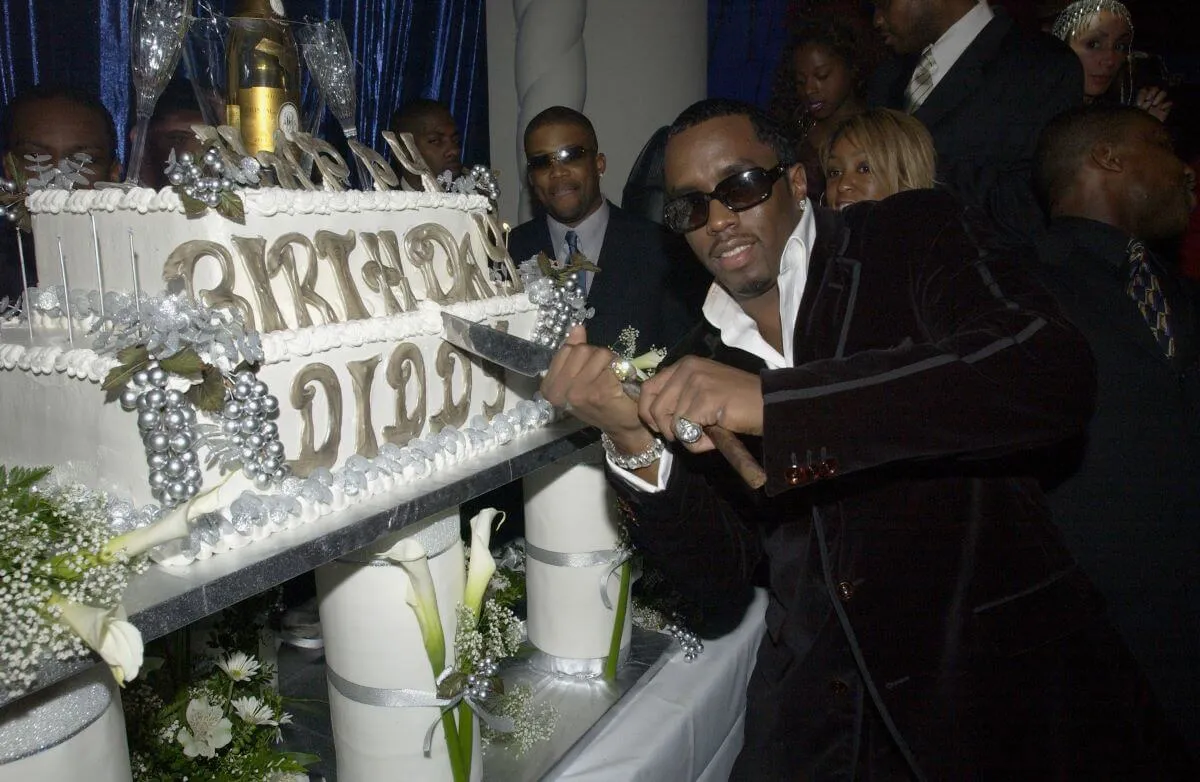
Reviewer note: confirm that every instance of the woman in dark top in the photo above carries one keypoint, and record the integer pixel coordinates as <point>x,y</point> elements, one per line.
<point>818,84</point>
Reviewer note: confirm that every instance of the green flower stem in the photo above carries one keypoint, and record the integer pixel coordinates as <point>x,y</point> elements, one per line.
<point>614,646</point>
<point>466,736</point>
<point>454,748</point>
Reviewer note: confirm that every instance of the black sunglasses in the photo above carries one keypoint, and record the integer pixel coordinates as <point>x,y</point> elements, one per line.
<point>563,157</point>
<point>739,192</point>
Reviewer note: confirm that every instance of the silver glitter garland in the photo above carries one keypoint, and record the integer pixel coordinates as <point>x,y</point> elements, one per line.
<point>167,324</point>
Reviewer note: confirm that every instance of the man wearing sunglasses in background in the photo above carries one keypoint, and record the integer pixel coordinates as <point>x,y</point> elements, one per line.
<point>925,621</point>
<point>646,279</point>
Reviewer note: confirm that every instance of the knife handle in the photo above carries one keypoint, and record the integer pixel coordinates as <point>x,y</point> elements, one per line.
<point>734,450</point>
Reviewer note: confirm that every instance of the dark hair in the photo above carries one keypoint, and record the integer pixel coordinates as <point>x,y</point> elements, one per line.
<point>406,118</point>
<point>1069,138</point>
<point>47,92</point>
<point>841,38</point>
<point>561,115</point>
<point>178,96</point>
<point>766,129</point>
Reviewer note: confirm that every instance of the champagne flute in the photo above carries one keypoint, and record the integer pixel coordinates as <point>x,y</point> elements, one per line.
<point>156,34</point>
<point>327,53</point>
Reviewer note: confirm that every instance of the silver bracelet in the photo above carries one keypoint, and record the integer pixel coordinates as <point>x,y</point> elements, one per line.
<point>635,461</point>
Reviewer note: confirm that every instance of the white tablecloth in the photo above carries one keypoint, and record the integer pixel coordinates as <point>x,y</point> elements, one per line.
<point>684,724</point>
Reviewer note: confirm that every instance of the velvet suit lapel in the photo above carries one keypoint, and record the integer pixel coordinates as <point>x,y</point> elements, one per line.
<point>966,75</point>
<point>830,292</point>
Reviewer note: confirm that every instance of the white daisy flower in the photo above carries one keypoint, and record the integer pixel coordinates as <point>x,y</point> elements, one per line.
<point>253,711</point>
<point>239,666</point>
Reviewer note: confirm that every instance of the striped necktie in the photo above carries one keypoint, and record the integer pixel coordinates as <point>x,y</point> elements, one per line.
<point>581,278</point>
<point>921,83</point>
<point>1146,292</point>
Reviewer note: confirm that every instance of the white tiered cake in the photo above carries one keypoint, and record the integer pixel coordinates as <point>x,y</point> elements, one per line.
<point>345,288</point>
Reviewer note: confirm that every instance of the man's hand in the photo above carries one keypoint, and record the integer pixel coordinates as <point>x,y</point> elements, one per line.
<point>581,380</point>
<point>706,393</point>
<point>1154,101</point>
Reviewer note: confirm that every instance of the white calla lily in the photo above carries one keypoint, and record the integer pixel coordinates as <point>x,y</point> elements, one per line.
<point>410,555</point>
<point>482,565</point>
<point>175,524</point>
<point>105,631</point>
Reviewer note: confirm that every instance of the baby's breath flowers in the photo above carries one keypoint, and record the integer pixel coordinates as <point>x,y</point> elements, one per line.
<point>59,591</point>
<point>63,571</point>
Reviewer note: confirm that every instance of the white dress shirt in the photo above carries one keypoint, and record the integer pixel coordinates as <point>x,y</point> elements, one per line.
<point>947,49</point>
<point>738,330</point>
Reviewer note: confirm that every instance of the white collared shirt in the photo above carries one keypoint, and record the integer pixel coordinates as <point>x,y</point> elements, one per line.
<point>590,232</point>
<point>738,330</point>
<point>947,49</point>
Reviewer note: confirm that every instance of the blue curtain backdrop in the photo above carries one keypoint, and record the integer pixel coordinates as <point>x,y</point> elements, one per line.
<point>405,49</point>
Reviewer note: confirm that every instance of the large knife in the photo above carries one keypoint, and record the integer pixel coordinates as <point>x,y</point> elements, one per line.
<point>531,359</point>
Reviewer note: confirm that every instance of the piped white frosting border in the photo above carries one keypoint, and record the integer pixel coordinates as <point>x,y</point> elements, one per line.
<point>355,482</point>
<point>267,202</point>
<point>278,346</point>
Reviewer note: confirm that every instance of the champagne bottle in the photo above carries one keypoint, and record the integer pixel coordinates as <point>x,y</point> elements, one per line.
<point>262,74</point>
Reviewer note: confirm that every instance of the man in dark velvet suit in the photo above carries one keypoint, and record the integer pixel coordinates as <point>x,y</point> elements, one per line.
<point>1129,499</point>
<point>925,620</point>
<point>646,277</point>
<point>990,91</point>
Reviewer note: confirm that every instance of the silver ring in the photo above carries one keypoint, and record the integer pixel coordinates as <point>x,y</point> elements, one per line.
<point>624,369</point>
<point>687,431</point>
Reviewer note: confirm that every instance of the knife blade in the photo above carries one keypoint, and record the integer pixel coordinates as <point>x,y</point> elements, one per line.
<point>508,350</point>
<point>531,359</point>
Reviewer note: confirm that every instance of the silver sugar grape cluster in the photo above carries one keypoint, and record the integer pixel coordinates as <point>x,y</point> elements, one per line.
<point>561,306</point>
<point>249,421</point>
<point>689,642</point>
<point>166,420</point>
<point>479,683</point>
<point>202,181</point>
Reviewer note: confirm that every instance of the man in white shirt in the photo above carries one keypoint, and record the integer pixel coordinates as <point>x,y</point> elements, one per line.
<point>924,621</point>
<point>984,90</point>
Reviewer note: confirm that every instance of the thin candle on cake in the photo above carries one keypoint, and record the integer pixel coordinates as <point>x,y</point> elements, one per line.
<point>99,271</point>
<point>62,262</point>
<point>137,287</point>
<point>25,286</point>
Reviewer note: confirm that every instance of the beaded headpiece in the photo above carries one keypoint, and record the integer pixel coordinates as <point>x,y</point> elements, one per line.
<point>1075,16</point>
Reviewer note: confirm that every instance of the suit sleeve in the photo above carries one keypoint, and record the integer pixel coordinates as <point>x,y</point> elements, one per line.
<point>993,368</point>
<point>1002,185</point>
<point>698,539</point>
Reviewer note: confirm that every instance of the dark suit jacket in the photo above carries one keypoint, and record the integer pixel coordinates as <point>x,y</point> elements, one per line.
<point>648,279</point>
<point>985,116</point>
<point>1128,496</point>
<point>918,590</point>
